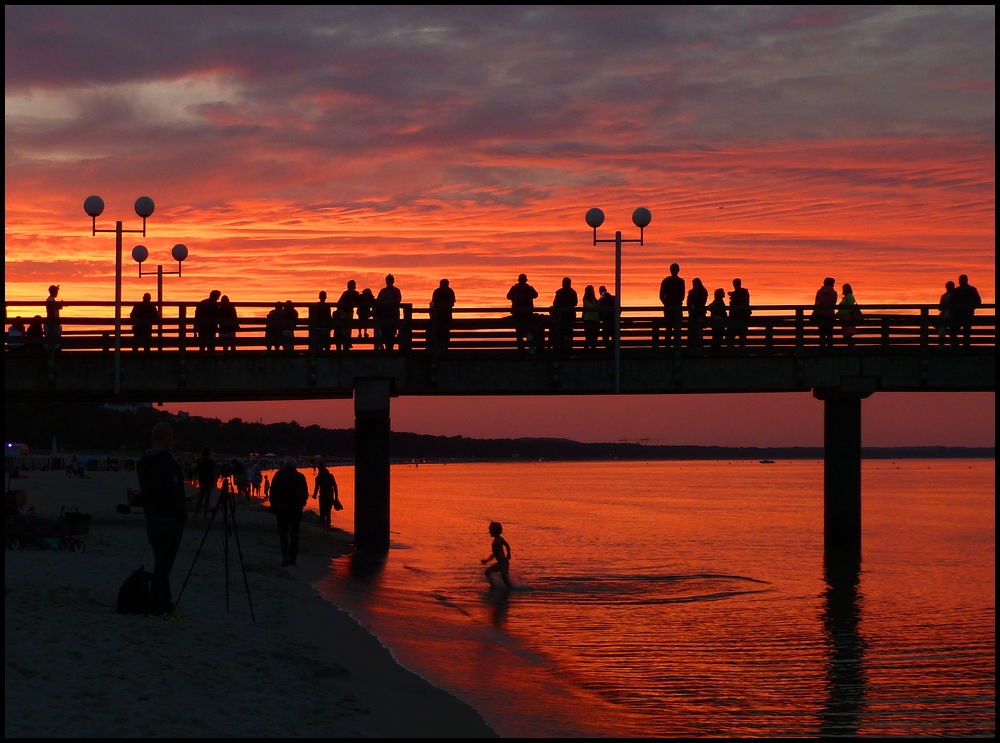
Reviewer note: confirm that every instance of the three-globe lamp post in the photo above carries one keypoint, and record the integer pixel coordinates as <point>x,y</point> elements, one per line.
<point>641,218</point>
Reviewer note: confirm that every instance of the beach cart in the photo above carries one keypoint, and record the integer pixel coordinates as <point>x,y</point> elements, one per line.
<point>59,532</point>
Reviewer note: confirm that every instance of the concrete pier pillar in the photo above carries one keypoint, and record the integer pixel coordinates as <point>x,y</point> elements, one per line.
<point>842,472</point>
<point>371,464</point>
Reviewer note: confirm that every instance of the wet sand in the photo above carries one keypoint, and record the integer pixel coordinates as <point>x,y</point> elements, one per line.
<point>75,667</point>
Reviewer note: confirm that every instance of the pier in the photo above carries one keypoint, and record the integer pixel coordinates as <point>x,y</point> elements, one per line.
<point>896,348</point>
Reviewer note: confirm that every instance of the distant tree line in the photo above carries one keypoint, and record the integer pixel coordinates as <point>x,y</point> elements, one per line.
<point>95,429</point>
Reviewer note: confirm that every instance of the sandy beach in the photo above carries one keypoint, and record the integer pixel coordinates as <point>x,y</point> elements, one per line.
<point>75,667</point>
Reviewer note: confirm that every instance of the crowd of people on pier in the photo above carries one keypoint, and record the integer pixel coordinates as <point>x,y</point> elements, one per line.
<point>376,319</point>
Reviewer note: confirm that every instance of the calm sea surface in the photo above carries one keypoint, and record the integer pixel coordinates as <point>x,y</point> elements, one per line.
<point>690,598</point>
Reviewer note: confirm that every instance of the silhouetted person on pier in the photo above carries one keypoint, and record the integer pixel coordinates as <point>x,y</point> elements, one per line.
<point>326,489</point>
<point>442,303</point>
<point>591,319</point>
<point>319,322</point>
<point>53,328</point>
<point>522,296</point>
<point>207,477</point>
<point>387,304</point>
<point>206,321</point>
<point>229,325</point>
<point>672,296</point>
<point>717,318</point>
<point>697,299</point>
<point>962,307</point>
<point>345,311</point>
<point>501,553</point>
<point>564,306</point>
<point>849,315</point>
<point>35,334</point>
<point>944,314</point>
<point>15,335</point>
<point>824,312</point>
<point>739,314</point>
<point>144,315</point>
<point>606,303</point>
<point>161,482</point>
<point>289,495</point>
<point>274,327</point>
<point>366,309</point>
<point>291,317</point>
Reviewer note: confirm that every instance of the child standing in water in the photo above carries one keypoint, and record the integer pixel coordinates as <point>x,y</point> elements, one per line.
<point>501,553</point>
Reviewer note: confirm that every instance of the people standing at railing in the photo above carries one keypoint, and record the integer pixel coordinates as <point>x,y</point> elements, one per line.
<point>739,314</point>
<point>962,308</point>
<point>606,303</point>
<point>697,299</point>
<point>563,313</point>
<point>15,335</point>
<point>206,321</point>
<point>366,309</point>
<point>591,319</point>
<point>53,328</point>
<point>717,317</point>
<point>672,290</point>
<point>229,325</point>
<point>274,327</point>
<point>944,314</point>
<point>849,314</point>
<point>522,296</point>
<point>144,315</point>
<point>35,334</point>
<point>442,304</point>
<point>349,299</point>
<point>291,318</point>
<point>824,312</point>
<point>319,323</point>
<point>387,303</point>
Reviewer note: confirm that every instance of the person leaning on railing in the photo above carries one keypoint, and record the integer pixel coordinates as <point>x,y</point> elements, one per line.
<point>962,308</point>
<point>848,314</point>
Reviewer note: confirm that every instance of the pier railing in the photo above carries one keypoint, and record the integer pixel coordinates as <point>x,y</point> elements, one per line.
<point>88,327</point>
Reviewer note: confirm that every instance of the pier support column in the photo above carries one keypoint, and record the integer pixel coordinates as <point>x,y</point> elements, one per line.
<point>841,470</point>
<point>371,464</point>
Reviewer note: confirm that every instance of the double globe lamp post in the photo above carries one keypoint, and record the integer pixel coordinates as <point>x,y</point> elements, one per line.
<point>139,254</point>
<point>641,218</point>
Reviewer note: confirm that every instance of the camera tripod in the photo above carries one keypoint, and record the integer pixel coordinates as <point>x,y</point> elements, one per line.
<point>227,505</point>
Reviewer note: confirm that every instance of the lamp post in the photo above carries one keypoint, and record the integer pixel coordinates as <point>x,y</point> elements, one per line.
<point>139,254</point>
<point>94,206</point>
<point>641,218</point>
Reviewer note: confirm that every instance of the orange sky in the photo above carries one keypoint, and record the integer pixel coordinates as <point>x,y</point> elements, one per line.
<point>294,149</point>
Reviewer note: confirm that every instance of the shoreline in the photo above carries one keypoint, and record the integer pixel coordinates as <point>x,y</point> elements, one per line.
<point>74,666</point>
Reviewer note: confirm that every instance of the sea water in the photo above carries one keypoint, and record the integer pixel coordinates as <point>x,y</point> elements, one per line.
<point>689,598</point>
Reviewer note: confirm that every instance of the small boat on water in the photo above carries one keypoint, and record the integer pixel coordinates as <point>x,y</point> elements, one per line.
<point>767,461</point>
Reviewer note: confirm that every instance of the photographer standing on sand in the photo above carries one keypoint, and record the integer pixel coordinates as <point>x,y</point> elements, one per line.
<point>289,494</point>
<point>161,482</point>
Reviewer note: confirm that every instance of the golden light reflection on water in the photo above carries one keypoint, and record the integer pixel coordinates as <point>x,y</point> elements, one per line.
<point>690,598</point>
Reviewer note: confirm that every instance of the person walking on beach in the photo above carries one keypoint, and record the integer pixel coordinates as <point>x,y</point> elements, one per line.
<point>500,553</point>
<point>161,482</point>
<point>522,296</point>
<point>53,328</point>
<point>962,308</point>
<point>143,315</point>
<point>824,312</point>
<point>205,466</point>
<point>672,296</point>
<point>289,495</point>
<point>326,489</point>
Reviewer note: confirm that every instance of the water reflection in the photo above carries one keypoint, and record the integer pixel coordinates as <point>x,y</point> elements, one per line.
<point>842,627</point>
<point>366,569</point>
<point>498,600</point>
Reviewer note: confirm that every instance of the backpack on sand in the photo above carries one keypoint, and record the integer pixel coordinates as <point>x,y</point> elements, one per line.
<point>133,596</point>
